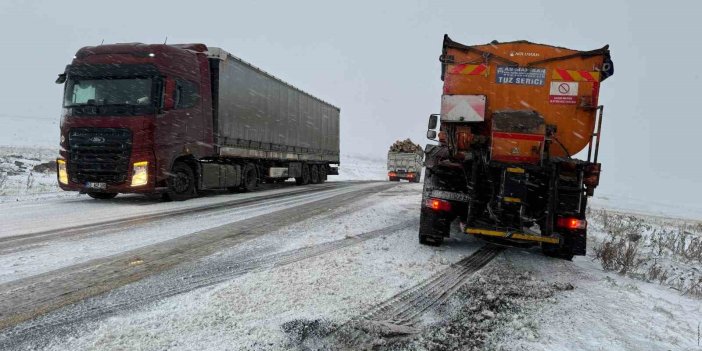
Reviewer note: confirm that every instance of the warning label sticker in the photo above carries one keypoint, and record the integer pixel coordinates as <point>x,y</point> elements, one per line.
<point>520,75</point>
<point>563,93</point>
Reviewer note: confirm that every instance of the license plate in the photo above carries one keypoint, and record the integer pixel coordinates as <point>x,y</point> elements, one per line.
<point>92,185</point>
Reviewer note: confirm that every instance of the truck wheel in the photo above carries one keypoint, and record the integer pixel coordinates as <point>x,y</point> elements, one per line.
<point>432,228</point>
<point>181,183</point>
<point>314,174</point>
<point>322,173</point>
<point>250,180</point>
<point>305,178</point>
<point>102,196</point>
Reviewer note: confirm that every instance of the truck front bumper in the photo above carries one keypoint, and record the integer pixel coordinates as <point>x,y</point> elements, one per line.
<point>109,187</point>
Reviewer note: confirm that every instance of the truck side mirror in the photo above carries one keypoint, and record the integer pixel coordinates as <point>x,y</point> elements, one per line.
<point>431,134</point>
<point>61,78</point>
<point>433,121</point>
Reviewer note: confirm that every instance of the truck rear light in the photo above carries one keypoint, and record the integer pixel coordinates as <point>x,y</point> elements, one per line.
<point>392,174</point>
<point>437,204</point>
<point>571,223</point>
<point>140,173</point>
<point>410,175</point>
<point>62,173</point>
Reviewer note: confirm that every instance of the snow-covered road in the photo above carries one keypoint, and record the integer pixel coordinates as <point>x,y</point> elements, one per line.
<point>338,267</point>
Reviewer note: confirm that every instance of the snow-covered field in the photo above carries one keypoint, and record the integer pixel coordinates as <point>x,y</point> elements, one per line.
<point>360,167</point>
<point>27,173</point>
<point>639,287</point>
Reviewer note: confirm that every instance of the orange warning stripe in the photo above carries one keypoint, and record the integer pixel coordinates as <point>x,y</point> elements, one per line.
<point>471,70</point>
<point>575,76</point>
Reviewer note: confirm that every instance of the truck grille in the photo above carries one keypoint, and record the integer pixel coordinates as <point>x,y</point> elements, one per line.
<point>99,154</point>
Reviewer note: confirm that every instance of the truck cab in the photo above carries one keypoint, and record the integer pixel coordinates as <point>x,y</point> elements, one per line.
<point>129,112</point>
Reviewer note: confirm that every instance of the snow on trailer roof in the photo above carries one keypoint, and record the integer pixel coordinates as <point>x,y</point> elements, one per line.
<point>221,54</point>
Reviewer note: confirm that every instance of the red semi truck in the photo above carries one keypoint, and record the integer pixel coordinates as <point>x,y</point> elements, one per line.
<point>176,119</point>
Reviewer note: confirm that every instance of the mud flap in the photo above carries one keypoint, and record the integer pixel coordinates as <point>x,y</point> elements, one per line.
<point>435,223</point>
<point>577,241</point>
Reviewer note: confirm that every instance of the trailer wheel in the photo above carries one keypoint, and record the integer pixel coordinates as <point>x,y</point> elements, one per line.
<point>314,174</point>
<point>181,183</point>
<point>305,178</point>
<point>250,180</point>
<point>322,173</point>
<point>102,196</point>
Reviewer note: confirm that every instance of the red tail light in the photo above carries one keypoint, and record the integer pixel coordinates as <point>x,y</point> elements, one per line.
<point>392,174</point>
<point>571,223</point>
<point>410,175</point>
<point>437,204</point>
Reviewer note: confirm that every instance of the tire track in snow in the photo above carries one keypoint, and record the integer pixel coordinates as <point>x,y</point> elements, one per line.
<point>31,297</point>
<point>398,315</point>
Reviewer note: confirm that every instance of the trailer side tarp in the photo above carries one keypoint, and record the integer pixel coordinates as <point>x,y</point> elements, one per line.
<point>259,115</point>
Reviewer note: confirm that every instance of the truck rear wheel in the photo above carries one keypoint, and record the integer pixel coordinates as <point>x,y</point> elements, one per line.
<point>181,183</point>
<point>102,196</point>
<point>304,179</point>
<point>314,174</point>
<point>250,180</point>
<point>322,173</point>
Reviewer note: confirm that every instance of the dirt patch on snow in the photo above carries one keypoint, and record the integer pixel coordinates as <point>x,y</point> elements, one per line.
<point>499,300</point>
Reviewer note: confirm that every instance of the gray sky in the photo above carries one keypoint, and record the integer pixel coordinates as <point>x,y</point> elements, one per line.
<point>379,64</point>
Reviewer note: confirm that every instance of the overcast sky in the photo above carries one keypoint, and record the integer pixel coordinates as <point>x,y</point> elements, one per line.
<point>378,61</point>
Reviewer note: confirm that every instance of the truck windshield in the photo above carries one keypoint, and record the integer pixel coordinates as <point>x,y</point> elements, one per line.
<point>128,91</point>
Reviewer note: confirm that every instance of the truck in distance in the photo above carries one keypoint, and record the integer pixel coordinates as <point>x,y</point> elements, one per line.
<point>513,117</point>
<point>177,119</point>
<point>405,161</point>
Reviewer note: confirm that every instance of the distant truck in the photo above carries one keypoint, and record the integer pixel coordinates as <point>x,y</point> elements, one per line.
<point>513,117</point>
<point>405,161</point>
<point>177,119</point>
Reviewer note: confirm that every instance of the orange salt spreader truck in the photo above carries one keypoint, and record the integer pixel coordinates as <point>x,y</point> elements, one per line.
<point>513,116</point>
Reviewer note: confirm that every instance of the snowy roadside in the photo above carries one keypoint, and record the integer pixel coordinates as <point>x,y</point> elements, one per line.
<point>659,250</point>
<point>28,173</point>
<point>361,167</point>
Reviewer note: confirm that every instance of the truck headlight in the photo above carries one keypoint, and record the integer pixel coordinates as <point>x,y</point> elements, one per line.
<point>62,173</point>
<point>140,173</point>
